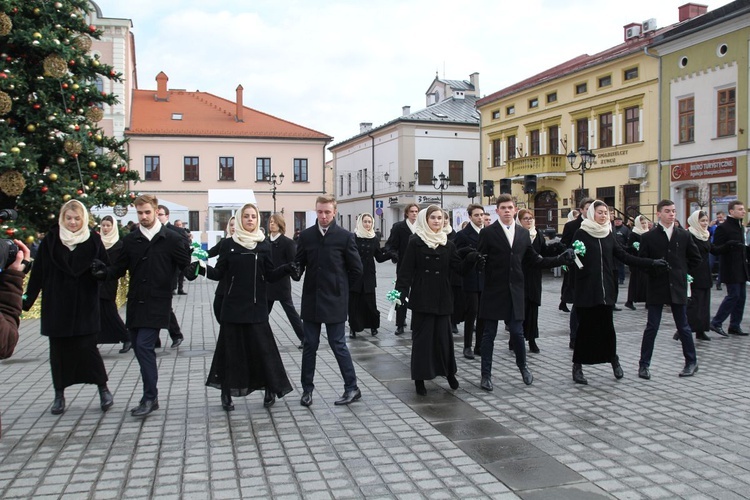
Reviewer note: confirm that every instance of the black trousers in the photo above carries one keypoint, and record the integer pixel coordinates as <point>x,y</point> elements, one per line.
<point>470,317</point>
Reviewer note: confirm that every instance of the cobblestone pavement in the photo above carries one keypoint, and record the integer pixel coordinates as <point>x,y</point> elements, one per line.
<point>664,438</point>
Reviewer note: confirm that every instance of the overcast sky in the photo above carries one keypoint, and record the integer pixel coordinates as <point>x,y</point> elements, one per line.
<point>330,65</point>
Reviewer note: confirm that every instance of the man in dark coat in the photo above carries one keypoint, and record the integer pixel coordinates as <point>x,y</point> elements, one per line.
<point>676,246</point>
<point>733,270</point>
<point>622,233</point>
<point>150,254</point>
<point>473,281</point>
<point>506,246</point>
<point>178,279</point>
<point>329,254</point>
<point>569,280</point>
<point>396,245</point>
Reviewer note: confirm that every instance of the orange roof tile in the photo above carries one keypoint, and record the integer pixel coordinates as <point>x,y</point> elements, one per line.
<point>207,115</point>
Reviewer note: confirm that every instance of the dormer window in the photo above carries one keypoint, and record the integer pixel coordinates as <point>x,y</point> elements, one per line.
<point>177,116</point>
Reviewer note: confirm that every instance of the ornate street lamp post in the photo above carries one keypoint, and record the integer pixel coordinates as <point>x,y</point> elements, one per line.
<point>441,182</point>
<point>275,181</point>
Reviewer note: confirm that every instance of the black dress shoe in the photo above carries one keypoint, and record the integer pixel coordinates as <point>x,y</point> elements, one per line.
<point>578,377</point>
<point>452,382</point>
<point>718,329</point>
<point>421,389</point>
<point>306,399</point>
<point>348,397</point>
<point>644,373</point>
<point>563,307</point>
<point>58,405</point>
<point>301,345</point>
<point>269,399</point>
<point>702,336</point>
<point>454,329</point>
<point>352,334</point>
<point>486,384</point>
<point>176,342</point>
<point>126,346</point>
<point>630,306</point>
<point>617,369</point>
<point>467,353</point>
<point>105,398</point>
<point>615,308</point>
<point>181,292</point>
<point>526,375</point>
<point>400,330</point>
<point>226,401</point>
<point>689,370</point>
<point>373,331</point>
<point>676,336</point>
<point>533,347</point>
<point>145,408</point>
<point>737,331</point>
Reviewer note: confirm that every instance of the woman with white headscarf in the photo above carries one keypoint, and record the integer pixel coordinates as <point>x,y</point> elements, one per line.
<point>638,279</point>
<point>363,310</point>
<point>246,358</point>
<point>70,309</point>
<point>113,329</point>
<point>699,303</point>
<point>425,273</point>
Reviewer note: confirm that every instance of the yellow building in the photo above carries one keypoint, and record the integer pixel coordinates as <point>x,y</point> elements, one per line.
<point>606,103</point>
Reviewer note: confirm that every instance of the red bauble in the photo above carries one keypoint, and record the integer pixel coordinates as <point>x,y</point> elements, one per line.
<point>72,62</point>
<point>94,176</point>
<point>112,73</point>
<point>77,128</point>
<point>72,98</point>
<point>122,170</point>
<point>10,231</point>
<point>37,106</point>
<point>65,85</point>
<point>92,28</point>
<point>45,189</point>
<point>80,191</point>
<point>3,75</point>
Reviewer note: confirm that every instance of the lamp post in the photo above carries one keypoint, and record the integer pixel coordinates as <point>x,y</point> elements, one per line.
<point>275,181</point>
<point>587,161</point>
<point>441,182</point>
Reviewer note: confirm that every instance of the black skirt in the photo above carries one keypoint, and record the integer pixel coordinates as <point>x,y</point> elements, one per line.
<point>432,352</point>
<point>637,285</point>
<point>363,311</point>
<point>699,310</point>
<point>113,328</point>
<point>246,360</point>
<point>595,339</point>
<point>76,360</point>
<point>530,321</point>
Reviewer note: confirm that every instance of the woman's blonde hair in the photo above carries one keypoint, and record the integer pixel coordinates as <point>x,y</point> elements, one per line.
<point>279,220</point>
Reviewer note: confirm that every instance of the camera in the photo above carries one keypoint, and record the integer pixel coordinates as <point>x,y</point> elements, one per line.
<point>8,252</point>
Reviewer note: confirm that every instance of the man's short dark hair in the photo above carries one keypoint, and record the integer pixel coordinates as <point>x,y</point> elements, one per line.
<point>585,201</point>
<point>733,204</point>
<point>474,206</point>
<point>662,204</point>
<point>504,198</point>
<point>162,207</point>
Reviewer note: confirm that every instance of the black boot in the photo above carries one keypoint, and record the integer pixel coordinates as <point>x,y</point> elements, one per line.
<point>105,398</point>
<point>578,377</point>
<point>616,368</point>
<point>226,400</point>
<point>126,346</point>
<point>563,307</point>
<point>452,382</point>
<point>533,347</point>
<point>374,331</point>
<point>58,406</point>
<point>421,390</point>
<point>269,399</point>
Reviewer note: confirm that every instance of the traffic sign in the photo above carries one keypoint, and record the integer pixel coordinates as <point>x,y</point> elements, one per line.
<point>379,211</point>
<point>379,204</point>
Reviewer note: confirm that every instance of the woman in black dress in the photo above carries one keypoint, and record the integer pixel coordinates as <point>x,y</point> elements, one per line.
<point>283,250</point>
<point>595,287</point>
<point>246,358</point>
<point>363,311</point>
<point>222,285</point>
<point>70,309</point>
<point>113,329</point>
<point>638,279</point>
<point>699,303</point>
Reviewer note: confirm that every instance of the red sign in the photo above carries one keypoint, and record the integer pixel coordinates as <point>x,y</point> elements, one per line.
<point>721,167</point>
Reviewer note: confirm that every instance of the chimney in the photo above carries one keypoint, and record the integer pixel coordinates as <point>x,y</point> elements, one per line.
<point>474,79</point>
<point>364,127</point>
<point>161,87</point>
<point>405,110</point>
<point>239,114</point>
<point>691,10</point>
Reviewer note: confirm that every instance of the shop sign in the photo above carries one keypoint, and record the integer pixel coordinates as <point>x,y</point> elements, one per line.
<point>706,169</point>
<point>421,199</point>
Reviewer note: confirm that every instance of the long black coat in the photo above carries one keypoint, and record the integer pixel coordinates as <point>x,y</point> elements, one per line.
<point>638,276</point>
<point>282,252</point>
<point>151,265</point>
<point>503,271</point>
<point>398,240</point>
<point>569,282</point>
<point>669,287</point>
<point>532,274</point>
<point>108,289</point>
<point>214,251</point>
<point>702,277</point>
<point>468,237</point>
<point>70,306</point>
<point>733,267</point>
<point>331,265</point>
<point>369,251</point>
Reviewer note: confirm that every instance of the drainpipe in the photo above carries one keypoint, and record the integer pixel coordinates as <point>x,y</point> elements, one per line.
<point>658,141</point>
<point>373,175</point>
<point>480,182</point>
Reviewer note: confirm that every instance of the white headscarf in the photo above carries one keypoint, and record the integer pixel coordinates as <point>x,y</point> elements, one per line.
<point>431,238</point>
<point>229,225</point>
<point>244,237</point>
<point>695,228</point>
<point>447,228</point>
<point>637,229</point>
<point>532,229</point>
<point>113,237</point>
<point>590,225</point>
<point>360,230</point>
<point>67,237</point>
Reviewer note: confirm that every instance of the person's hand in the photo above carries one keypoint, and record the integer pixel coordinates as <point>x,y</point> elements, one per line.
<point>23,258</point>
<point>193,270</point>
<point>99,269</point>
<point>394,257</point>
<point>568,256</point>
<point>293,269</point>
<point>736,243</point>
<point>481,261</point>
<point>660,264</point>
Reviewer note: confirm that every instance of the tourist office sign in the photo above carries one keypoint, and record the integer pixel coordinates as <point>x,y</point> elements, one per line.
<point>706,169</point>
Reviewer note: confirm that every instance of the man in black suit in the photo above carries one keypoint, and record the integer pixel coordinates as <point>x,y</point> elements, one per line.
<point>329,254</point>
<point>178,278</point>
<point>396,245</point>
<point>473,281</point>
<point>676,246</point>
<point>733,270</point>
<point>569,280</point>
<point>506,246</point>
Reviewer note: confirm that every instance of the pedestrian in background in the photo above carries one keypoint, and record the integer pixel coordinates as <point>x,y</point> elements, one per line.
<point>638,278</point>
<point>113,330</point>
<point>459,301</point>
<point>70,309</point>
<point>473,282</point>
<point>221,287</point>
<point>699,302</point>
<point>283,250</point>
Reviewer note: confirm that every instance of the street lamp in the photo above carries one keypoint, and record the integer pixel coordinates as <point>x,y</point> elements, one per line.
<point>272,180</point>
<point>441,182</point>
<point>587,161</point>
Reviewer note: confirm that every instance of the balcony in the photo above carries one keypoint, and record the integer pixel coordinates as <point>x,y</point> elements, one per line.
<point>535,165</point>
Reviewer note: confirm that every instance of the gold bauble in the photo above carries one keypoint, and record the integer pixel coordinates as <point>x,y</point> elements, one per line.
<point>82,42</point>
<point>36,34</point>
<point>55,66</point>
<point>66,197</point>
<point>12,183</point>
<point>94,114</point>
<point>53,177</point>
<point>5,24</point>
<point>15,150</point>
<point>29,240</point>
<point>95,62</point>
<point>6,103</point>
<point>92,164</point>
<point>31,127</point>
<point>72,147</point>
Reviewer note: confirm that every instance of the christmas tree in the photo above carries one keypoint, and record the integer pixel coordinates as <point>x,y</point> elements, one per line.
<point>51,148</point>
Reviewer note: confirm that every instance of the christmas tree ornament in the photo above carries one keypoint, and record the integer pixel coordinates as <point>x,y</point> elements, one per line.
<point>29,240</point>
<point>53,177</point>
<point>6,25</point>
<point>54,66</point>
<point>36,35</point>
<point>6,103</point>
<point>66,197</point>
<point>92,164</point>
<point>82,42</point>
<point>12,183</point>
<point>31,127</point>
<point>94,114</point>
<point>72,147</point>
<point>61,161</point>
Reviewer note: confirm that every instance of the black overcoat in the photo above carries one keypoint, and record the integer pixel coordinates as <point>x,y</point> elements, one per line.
<point>398,240</point>
<point>70,306</point>
<point>569,281</point>
<point>331,265</point>
<point>468,237</point>
<point>108,289</point>
<point>638,276</point>
<point>369,251</point>
<point>733,267</point>
<point>532,274</point>
<point>214,251</point>
<point>669,287</point>
<point>282,252</point>
<point>702,277</point>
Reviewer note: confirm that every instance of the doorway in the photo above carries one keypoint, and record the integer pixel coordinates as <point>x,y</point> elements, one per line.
<point>545,210</point>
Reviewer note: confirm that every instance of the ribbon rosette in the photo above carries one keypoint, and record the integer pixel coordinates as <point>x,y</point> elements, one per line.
<point>199,255</point>
<point>637,245</point>
<point>580,249</point>
<point>689,285</point>
<point>394,297</point>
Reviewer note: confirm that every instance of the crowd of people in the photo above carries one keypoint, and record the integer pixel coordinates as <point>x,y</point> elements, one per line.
<point>481,275</point>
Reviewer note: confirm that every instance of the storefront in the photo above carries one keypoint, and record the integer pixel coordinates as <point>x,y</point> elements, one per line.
<point>707,185</point>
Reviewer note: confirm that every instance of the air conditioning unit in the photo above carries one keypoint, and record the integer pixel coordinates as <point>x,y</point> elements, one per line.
<point>632,32</point>
<point>637,171</point>
<point>649,25</point>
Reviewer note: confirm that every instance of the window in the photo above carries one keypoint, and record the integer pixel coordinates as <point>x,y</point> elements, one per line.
<point>605,130</point>
<point>190,169</point>
<point>496,115</point>
<point>497,158</point>
<point>194,220</point>
<point>264,216</point>
<point>456,172</point>
<point>686,120</point>
<point>348,183</point>
<point>554,139</point>
<point>582,88</point>
<point>262,169</point>
<point>533,103</point>
<point>300,221</point>
<point>364,179</point>
<point>341,185</point>
<point>151,168</point>
<point>582,133</point>
<point>605,81</point>
<point>300,170</point>
<point>630,74</point>
<point>726,113</point>
<point>424,167</point>
<point>551,97</point>
<point>226,168</point>
<point>510,110</point>
<point>511,147</point>
<point>632,125</point>
<point>534,142</point>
